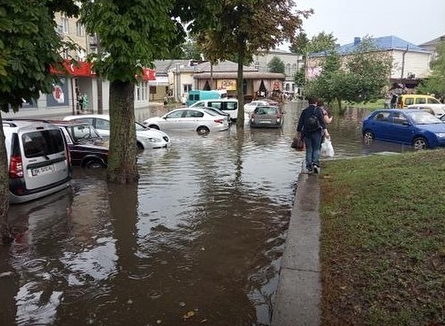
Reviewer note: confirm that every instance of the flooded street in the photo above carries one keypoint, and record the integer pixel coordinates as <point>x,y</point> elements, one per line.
<point>197,240</point>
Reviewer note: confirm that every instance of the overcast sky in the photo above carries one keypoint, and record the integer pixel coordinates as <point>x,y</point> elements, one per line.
<point>416,22</point>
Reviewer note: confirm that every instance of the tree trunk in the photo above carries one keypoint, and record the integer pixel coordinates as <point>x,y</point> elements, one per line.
<point>4,189</point>
<point>239,87</point>
<point>122,165</point>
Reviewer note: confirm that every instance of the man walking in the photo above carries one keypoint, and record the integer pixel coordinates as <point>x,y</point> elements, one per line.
<point>311,127</point>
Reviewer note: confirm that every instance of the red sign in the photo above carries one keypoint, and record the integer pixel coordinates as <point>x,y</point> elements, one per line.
<point>148,74</point>
<point>78,68</point>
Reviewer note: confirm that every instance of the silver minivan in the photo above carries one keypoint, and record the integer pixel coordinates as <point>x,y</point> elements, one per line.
<point>38,159</point>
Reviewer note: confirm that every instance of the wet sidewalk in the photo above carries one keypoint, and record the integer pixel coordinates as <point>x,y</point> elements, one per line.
<point>297,301</point>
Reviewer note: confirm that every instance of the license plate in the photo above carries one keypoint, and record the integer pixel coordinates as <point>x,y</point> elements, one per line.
<point>265,121</point>
<point>42,170</point>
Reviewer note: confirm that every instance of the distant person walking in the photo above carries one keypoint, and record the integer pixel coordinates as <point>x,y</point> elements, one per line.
<point>311,127</point>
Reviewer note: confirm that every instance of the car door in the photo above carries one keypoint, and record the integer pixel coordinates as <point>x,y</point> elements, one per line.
<point>173,120</point>
<point>380,125</point>
<point>402,129</point>
<point>191,119</point>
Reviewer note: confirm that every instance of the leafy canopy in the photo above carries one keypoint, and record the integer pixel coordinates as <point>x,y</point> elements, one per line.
<point>29,45</point>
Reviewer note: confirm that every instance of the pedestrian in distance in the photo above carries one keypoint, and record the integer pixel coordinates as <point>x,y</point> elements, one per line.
<point>312,127</point>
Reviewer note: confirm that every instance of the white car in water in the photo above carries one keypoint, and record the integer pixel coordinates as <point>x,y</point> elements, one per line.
<point>200,120</point>
<point>147,138</point>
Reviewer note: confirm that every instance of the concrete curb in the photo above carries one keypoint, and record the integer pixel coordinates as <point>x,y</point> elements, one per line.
<point>298,295</point>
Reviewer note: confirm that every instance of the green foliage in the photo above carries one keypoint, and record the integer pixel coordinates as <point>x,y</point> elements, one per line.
<point>29,45</point>
<point>300,44</point>
<point>357,77</point>
<point>321,42</point>
<point>276,65</point>
<point>131,35</point>
<point>435,83</point>
<point>243,28</point>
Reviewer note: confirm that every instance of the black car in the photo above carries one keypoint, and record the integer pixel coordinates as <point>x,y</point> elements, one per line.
<point>87,148</point>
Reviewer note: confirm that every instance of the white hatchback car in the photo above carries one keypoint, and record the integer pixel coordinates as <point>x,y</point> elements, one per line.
<point>200,120</point>
<point>147,138</point>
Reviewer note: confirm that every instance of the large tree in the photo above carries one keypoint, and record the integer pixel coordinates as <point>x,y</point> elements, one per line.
<point>242,28</point>
<point>435,84</point>
<point>29,45</point>
<point>357,77</point>
<point>276,65</point>
<point>131,35</point>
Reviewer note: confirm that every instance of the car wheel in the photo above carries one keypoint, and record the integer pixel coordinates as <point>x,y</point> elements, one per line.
<point>140,146</point>
<point>94,165</point>
<point>420,143</point>
<point>368,137</point>
<point>202,130</point>
<point>154,127</point>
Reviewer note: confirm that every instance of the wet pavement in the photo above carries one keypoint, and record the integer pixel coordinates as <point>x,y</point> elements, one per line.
<point>199,239</point>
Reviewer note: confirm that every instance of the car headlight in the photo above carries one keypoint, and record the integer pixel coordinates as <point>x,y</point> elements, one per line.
<point>153,140</point>
<point>441,134</point>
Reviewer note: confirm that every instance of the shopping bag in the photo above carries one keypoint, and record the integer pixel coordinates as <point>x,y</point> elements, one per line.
<point>298,143</point>
<point>327,150</point>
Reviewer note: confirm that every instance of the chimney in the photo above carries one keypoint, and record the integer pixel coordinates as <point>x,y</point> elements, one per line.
<point>356,40</point>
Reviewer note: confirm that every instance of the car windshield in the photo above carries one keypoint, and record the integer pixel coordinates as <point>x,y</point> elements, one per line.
<point>423,118</point>
<point>83,132</point>
<point>141,127</point>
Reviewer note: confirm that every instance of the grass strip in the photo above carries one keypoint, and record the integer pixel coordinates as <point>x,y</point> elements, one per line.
<point>383,240</point>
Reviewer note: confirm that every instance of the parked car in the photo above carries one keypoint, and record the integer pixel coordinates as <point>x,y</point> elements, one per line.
<point>250,107</point>
<point>219,112</point>
<point>38,159</point>
<point>87,148</point>
<point>411,127</point>
<point>200,120</point>
<point>146,138</point>
<point>267,117</point>
<point>436,109</point>
<point>410,99</point>
<point>228,105</point>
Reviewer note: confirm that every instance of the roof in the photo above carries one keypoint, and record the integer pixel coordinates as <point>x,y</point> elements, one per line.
<point>385,43</point>
<point>234,75</point>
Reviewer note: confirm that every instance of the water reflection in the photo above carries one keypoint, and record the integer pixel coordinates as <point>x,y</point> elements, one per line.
<point>202,231</point>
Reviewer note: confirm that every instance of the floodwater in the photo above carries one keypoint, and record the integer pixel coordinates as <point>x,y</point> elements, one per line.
<point>197,241</point>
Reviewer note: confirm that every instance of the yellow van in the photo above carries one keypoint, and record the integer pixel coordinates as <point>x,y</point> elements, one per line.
<point>412,99</point>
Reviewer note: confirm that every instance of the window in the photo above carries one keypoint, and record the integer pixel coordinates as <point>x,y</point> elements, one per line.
<point>142,91</point>
<point>399,118</point>
<point>65,25</point>
<point>42,143</point>
<point>187,88</point>
<point>80,30</point>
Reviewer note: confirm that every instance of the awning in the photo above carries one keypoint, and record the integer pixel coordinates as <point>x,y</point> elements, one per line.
<point>149,74</point>
<point>77,69</point>
<point>85,69</point>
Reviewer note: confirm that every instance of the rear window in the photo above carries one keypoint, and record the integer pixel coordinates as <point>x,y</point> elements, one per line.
<point>41,143</point>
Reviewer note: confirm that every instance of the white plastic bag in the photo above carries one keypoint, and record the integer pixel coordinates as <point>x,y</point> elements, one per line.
<point>327,150</point>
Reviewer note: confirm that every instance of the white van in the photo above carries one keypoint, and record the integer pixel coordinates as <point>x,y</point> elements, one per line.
<point>38,159</point>
<point>228,105</point>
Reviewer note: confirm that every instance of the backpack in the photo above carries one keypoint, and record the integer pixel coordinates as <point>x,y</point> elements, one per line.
<point>312,123</point>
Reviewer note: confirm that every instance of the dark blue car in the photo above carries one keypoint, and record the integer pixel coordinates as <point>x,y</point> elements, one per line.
<point>411,127</point>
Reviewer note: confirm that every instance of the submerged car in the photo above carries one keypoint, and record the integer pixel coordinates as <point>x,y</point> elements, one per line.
<point>202,121</point>
<point>417,128</point>
<point>146,138</point>
<point>87,148</point>
<point>266,117</point>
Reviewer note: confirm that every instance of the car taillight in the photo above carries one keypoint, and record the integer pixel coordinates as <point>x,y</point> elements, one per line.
<point>16,167</point>
<point>219,120</point>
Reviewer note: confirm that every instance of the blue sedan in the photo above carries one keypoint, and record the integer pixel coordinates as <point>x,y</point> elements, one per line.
<point>411,127</point>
